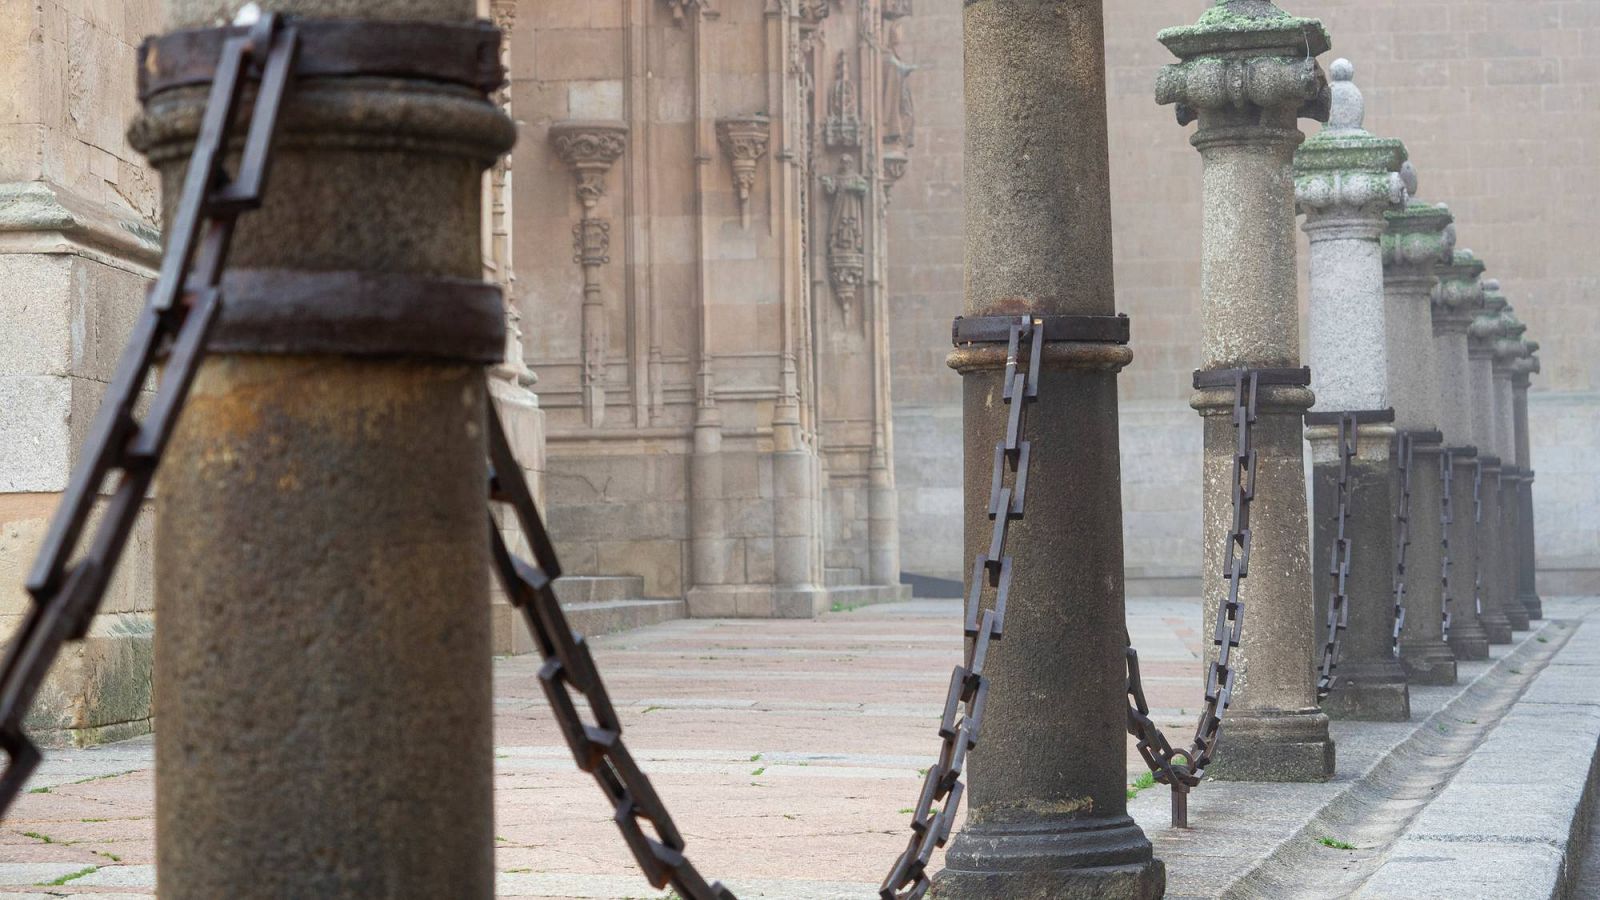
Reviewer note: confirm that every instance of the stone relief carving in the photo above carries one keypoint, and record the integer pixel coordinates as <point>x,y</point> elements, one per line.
<point>813,10</point>
<point>899,106</point>
<point>514,368</point>
<point>897,9</point>
<point>894,169</point>
<point>744,139</point>
<point>590,149</point>
<point>682,10</point>
<point>847,224</point>
<point>843,127</point>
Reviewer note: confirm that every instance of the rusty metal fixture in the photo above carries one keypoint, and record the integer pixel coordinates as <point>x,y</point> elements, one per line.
<point>1025,338</point>
<point>181,308</point>
<point>569,669</point>
<point>360,314</point>
<point>465,54</point>
<point>1182,770</point>
<point>1405,459</point>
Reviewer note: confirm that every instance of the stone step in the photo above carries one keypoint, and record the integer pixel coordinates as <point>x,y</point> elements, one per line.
<point>841,577</point>
<point>611,616</point>
<point>598,588</point>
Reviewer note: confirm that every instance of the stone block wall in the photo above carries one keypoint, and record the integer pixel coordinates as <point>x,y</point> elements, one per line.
<point>1499,104</point>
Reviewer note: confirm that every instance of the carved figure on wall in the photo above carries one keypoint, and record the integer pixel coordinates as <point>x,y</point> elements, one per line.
<point>843,128</point>
<point>899,106</point>
<point>847,242</point>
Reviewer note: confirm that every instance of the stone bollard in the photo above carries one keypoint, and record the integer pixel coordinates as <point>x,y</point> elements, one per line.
<point>1248,73</point>
<point>1456,302</point>
<point>1482,334</point>
<point>323,660</point>
<point>1508,352</point>
<point>1420,239</point>
<point>1048,779</point>
<point>1346,179</point>
<point>1527,585</point>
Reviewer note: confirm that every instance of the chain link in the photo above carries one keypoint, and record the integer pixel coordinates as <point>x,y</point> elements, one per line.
<point>1477,536</point>
<point>1447,517</point>
<point>179,312</point>
<point>942,788</point>
<point>1405,457</point>
<point>1183,769</point>
<point>568,672</point>
<point>1339,568</point>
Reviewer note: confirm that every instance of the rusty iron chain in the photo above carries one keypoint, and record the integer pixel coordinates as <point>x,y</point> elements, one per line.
<point>70,576</point>
<point>1405,459</point>
<point>1183,769</point>
<point>1447,517</point>
<point>568,672</point>
<point>1477,536</point>
<point>1339,566</point>
<point>959,724</point>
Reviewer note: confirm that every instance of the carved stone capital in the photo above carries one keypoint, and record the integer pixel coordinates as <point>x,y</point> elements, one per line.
<point>895,163</point>
<point>591,242</point>
<point>590,149</point>
<point>744,139</point>
<point>812,11</point>
<point>1458,297</point>
<point>1419,238</point>
<point>684,10</point>
<point>1345,175</point>
<point>1244,53</point>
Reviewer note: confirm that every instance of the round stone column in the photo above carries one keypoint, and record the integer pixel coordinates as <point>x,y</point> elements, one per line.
<point>1508,352</point>
<point>1047,814</point>
<point>1419,239</point>
<point>322,665</point>
<point>1248,73</point>
<point>1527,585</point>
<point>1482,334</point>
<point>1345,180</point>
<point>1456,302</point>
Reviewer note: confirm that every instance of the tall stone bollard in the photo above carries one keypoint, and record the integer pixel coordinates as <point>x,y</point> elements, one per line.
<point>1346,179</point>
<point>1508,352</point>
<point>1527,585</point>
<point>322,665</point>
<point>1248,73</point>
<point>1420,239</point>
<point>1482,335</point>
<point>1048,809</point>
<point>1456,302</point>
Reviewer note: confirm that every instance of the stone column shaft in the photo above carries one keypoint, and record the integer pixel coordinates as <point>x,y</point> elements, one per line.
<point>1345,181</point>
<point>1048,810</point>
<point>1527,580</point>
<point>1493,612</point>
<point>1248,73</point>
<point>322,569</point>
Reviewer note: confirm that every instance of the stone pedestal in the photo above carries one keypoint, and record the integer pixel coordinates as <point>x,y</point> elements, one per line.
<point>1419,240</point>
<point>1248,74</point>
<point>324,686</point>
<point>1345,180</point>
<point>1048,810</point>
<point>1457,300</point>
<point>1484,331</point>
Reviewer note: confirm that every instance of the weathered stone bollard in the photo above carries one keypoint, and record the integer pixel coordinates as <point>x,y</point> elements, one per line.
<point>1248,72</point>
<point>1419,240</point>
<point>1527,585</point>
<point>1482,334</point>
<point>1508,351</point>
<point>1048,779</point>
<point>1346,179</point>
<point>1456,302</point>
<point>322,665</point>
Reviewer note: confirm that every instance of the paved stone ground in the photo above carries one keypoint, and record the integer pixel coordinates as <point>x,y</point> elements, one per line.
<point>789,751</point>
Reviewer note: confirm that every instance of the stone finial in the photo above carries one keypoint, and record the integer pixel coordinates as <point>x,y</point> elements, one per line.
<point>1345,176</point>
<point>590,148</point>
<point>1408,177</point>
<point>744,139</point>
<point>1349,109</point>
<point>1245,53</point>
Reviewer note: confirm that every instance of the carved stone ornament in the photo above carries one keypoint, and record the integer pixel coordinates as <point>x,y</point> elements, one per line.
<point>894,169</point>
<point>1245,53</point>
<point>847,222</point>
<point>1345,177</point>
<point>682,10</point>
<point>744,139</point>
<point>1419,238</point>
<point>1458,297</point>
<point>813,10</point>
<point>591,242</point>
<point>897,9</point>
<point>590,148</point>
<point>899,109</point>
<point>843,126</point>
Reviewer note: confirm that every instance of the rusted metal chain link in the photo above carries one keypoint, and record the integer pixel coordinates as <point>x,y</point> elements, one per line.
<point>1477,536</point>
<point>569,671</point>
<point>1183,769</point>
<point>1447,517</point>
<point>962,719</point>
<point>1405,457</point>
<point>1339,567</point>
<point>181,308</point>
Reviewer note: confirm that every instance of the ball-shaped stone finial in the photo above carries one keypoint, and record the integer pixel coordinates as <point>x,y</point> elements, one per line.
<point>1408,177</point>
<point>1349,109</point>
<point>1492,285</point>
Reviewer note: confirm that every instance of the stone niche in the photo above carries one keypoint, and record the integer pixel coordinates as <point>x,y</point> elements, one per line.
<point>702,190</point>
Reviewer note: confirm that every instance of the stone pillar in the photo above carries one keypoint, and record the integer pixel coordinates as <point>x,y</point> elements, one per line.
<point>321,566</point>
<point>1527,587</point>
<point>1048,809</point>
<point>1456,301</point>
<point>1482,334</point>
<point>1345,180</point>
<point>1508,353</point>
<point>1248,73</point>
<point>1419,240</point>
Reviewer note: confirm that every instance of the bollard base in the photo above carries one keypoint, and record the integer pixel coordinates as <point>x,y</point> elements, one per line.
<point>1516,614</point>
<point>1274,745</point>
<point>1468,640</point>
<point>1497,627</point>
<point>1136,882</point>
<point>1370,691</point>
<point>1429,662</point>
<point>1052,859</point>
<point>1533,605</point>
